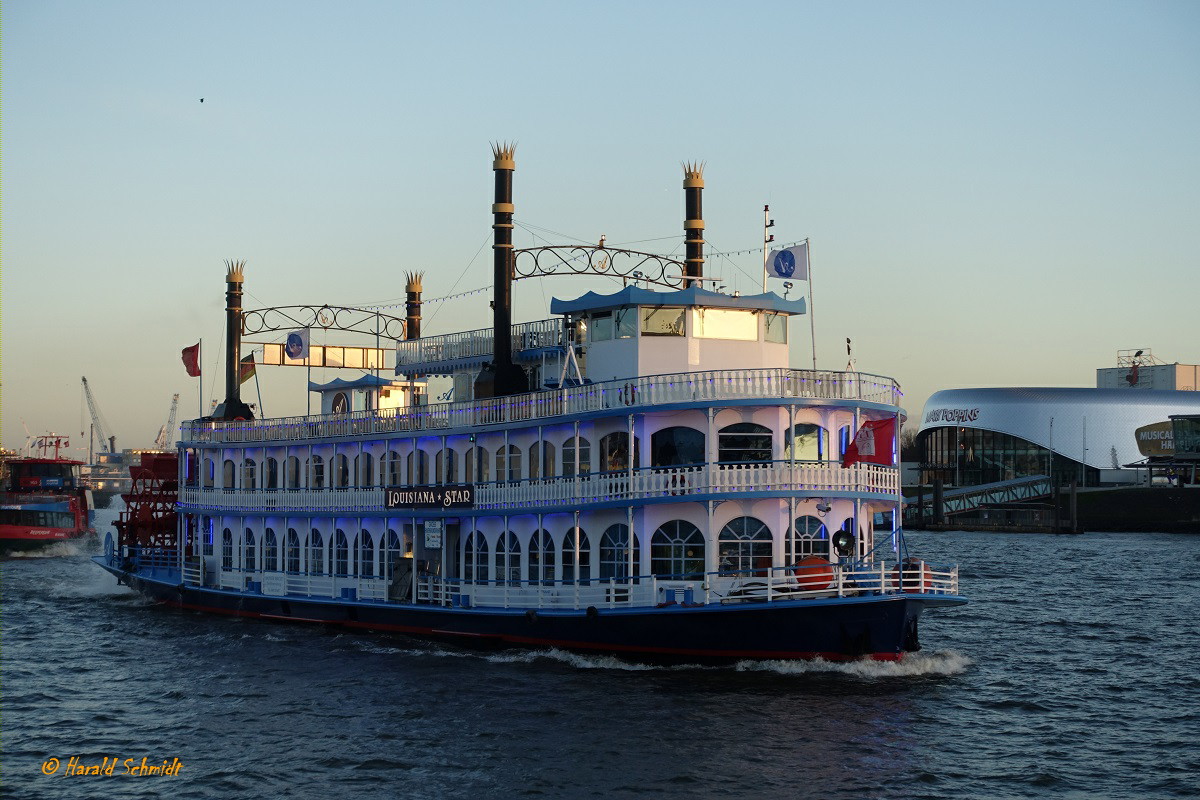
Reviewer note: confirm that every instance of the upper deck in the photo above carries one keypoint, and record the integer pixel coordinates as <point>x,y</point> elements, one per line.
<point>636,395</point>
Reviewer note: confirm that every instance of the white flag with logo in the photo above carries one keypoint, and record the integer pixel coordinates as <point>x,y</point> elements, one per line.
<point>790,264</point>
<point>296,347</point>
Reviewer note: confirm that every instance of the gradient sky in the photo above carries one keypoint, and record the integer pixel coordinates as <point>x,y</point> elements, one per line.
<point>997,193</point>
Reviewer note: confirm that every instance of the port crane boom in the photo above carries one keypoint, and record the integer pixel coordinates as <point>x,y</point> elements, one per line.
<point>108,442</point>
<point>166,432</point>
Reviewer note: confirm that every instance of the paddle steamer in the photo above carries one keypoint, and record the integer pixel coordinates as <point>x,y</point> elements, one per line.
<point>642,474</point>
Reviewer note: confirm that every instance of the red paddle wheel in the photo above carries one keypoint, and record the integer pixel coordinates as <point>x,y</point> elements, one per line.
<point>148,521</point>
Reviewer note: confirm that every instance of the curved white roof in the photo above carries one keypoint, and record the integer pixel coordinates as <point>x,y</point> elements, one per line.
<point>1088,424</point>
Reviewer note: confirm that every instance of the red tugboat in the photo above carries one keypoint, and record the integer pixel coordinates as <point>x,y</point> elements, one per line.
<point>43,499</point>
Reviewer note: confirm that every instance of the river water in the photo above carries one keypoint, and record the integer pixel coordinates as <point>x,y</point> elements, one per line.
<point>1072,674</point>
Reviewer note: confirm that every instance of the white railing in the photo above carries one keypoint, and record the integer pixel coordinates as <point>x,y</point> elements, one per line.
<point>644,484</point>
<point>637,394</point>
<point>477,343</point>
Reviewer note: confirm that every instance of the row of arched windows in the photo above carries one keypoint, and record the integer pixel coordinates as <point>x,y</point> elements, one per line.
<point>340,555</point>
<point>742,442</point>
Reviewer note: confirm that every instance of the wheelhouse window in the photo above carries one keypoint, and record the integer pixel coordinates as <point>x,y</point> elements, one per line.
<point>806,442</point>
<point>743,546</point>
<point>775,327</point>
<point>724,323</point>
<point>625,323</point>
<point>576,449</point>
<point>576,552</point>
<point>809,537</point>
<point>662,321</point>
<point>615,555</point>
<point>677,551</point>
<point>602,326</point>
<point>678,446</point>
<point>743,443</point>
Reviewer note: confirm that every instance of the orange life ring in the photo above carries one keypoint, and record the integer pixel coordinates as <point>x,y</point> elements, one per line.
<point>814,573</point>
<point>913,576</point>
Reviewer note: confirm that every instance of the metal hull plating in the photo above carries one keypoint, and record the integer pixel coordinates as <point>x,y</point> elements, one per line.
<point>882,627</point>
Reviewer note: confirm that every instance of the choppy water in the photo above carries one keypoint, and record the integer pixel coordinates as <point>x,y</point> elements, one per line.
<point>1073,674</point>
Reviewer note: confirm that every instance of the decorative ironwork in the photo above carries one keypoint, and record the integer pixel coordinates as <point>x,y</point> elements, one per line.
<point>335,318</point>
<point>577,259</point>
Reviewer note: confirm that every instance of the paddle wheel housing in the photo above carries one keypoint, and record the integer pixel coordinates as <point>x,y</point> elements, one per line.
<point>148,521</point>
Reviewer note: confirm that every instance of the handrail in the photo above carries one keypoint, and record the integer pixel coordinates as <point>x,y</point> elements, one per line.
<point>616,395</point>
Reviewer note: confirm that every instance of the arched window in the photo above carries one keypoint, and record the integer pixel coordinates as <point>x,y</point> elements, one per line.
<point>475,558</point>
<point>248,558</point>
<point>614,452</point>
<point>508,558</point>
<point>339,469</point>
<point>677,551</point>
<point>293,550</point>
<point>392,553</point>
<point>808,538</point>
<point>478,466</point>
<point>576,540</point>
<point>291,472</point>
<point>227,549</point>
<point>270,551</point>
<point>209,473</point>
<point>393,468</point>
<point>447,466</point>
<point>541,465</point>
<point>341,553</point>
<point>743,443</point>
<point>227,474</point>
<point>508,463</point>
<point>248,474</point>
<point>316,553</point>
<point>541,557</point>
<point>744,545</point>
<point>270,474</point>
<point>418,467</point>
<point>614,553</point>
<point>316,472</point>
<point>364,470</point>
<point>366,555</point>
<point>576,448</point>
<point>675,447</point>
<point>806,442</point>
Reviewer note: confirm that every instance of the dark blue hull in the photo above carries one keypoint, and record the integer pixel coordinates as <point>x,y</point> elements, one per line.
<point>882,627</point>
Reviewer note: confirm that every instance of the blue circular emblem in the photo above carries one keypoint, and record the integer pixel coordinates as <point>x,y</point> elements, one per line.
<point>785,263</point>
<point>294,346</point>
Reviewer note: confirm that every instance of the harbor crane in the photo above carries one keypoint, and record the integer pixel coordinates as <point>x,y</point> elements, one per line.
<point>108,442</point>
<point>165,434</point>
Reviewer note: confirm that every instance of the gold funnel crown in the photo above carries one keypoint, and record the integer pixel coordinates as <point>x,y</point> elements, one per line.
<point>503,153</point>
<point>236,270</point>
<point>693,174</point>
<point>414,281</point>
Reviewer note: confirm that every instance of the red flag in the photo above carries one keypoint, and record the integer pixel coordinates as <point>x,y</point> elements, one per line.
<point>246,369</point>
<point>191,360</point>
<point>873,444</point>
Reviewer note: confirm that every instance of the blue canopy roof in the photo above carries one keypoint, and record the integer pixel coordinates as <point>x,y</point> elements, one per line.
<point>365,382</point>
<point>692,296</point>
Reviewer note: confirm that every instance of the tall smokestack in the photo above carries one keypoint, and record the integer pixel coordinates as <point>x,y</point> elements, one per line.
<point>412,308</point>
<point>502,377</point>
<point>693,224</point>
<point>233,407</point>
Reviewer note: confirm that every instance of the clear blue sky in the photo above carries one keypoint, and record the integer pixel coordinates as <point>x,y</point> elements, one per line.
<point>997,193</point>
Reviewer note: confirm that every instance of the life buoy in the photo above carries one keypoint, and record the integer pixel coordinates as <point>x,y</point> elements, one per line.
<point>814,573</point>
<point>913,576</point>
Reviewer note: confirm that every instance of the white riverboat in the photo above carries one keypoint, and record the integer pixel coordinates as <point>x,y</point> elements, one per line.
<point>641,474</point>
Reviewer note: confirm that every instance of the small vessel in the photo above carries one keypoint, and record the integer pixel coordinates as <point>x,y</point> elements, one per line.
<point>42,499</point>
<point>643,474</point>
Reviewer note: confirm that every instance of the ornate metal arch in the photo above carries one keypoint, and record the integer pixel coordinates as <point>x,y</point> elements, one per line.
<point>334,318</point>
<point>576,259</point>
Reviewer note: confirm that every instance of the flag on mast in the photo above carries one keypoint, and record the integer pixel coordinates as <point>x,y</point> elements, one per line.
<point>873,444</point>
<point>789,264</point>
<point>246,369</point>
<point>191,360</point>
